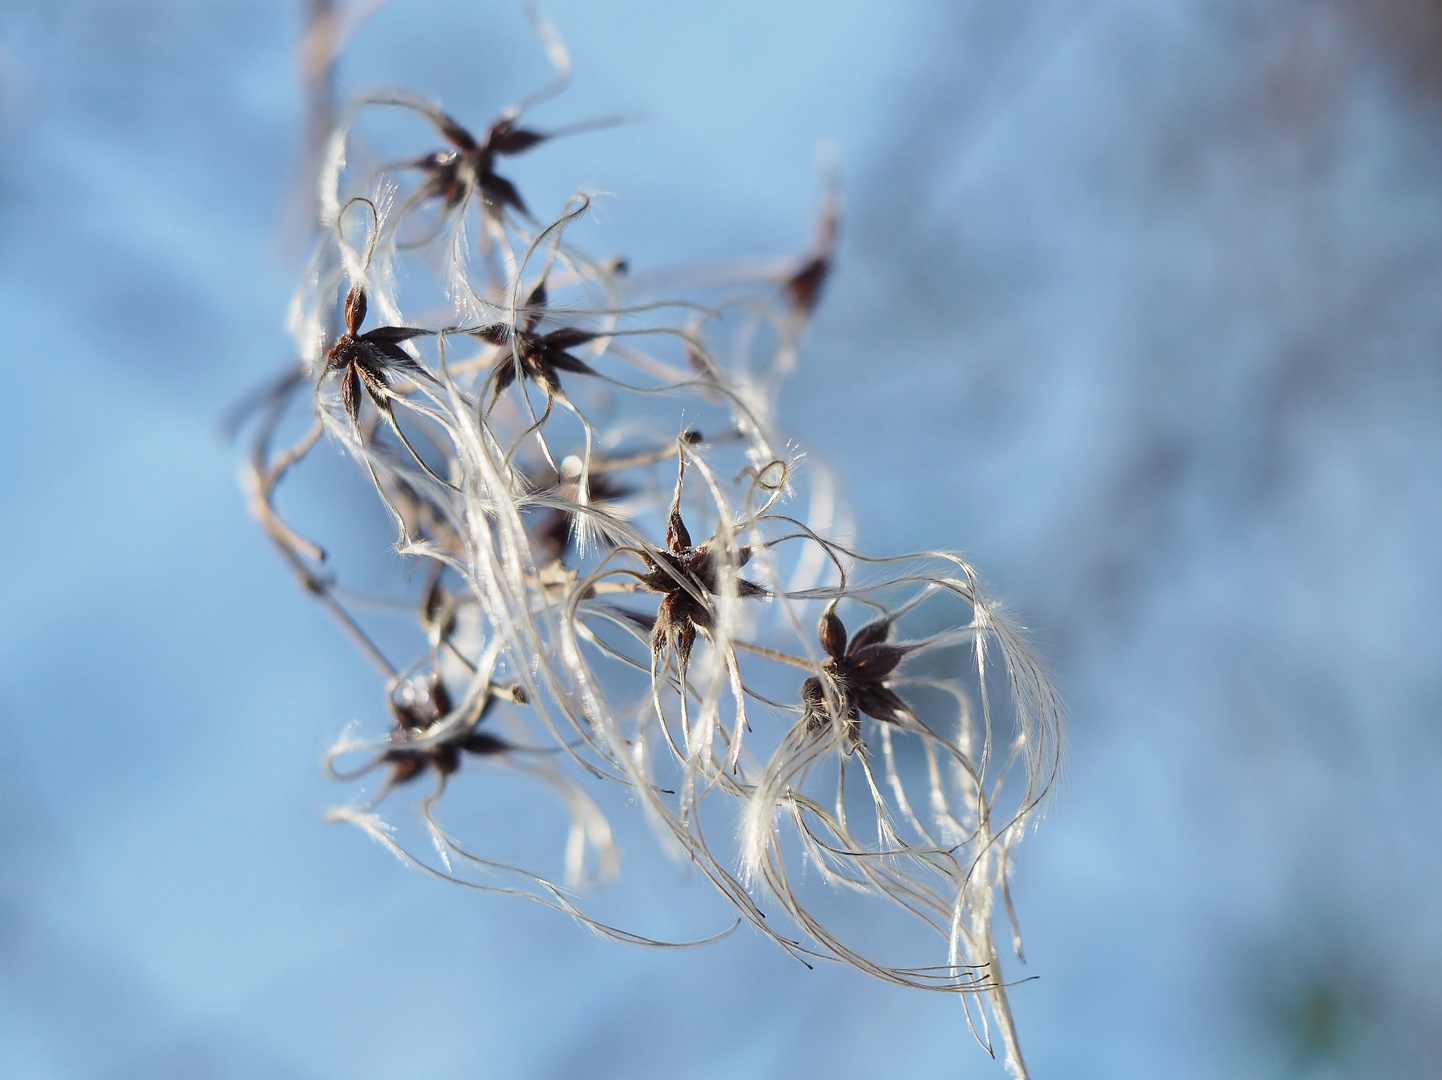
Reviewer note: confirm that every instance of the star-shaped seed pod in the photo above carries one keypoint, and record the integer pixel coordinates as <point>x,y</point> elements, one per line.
<point>542,357</point>
<point>471,164</point>
<point>417,705</point>
<point>679,573</point>
<point>367,360</point>
<point>856,672</point>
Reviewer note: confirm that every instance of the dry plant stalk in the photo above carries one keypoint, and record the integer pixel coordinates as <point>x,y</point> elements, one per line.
<point>620,573</point>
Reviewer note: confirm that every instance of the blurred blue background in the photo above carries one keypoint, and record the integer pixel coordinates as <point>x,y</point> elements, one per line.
<point>1136,304</point>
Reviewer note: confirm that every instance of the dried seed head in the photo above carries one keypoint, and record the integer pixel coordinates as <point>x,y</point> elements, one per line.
<point>484,511</point>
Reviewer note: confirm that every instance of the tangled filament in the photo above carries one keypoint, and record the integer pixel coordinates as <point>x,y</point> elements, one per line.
<point>621,576</point>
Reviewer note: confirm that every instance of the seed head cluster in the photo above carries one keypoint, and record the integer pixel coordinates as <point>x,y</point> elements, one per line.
<point>548,434</point>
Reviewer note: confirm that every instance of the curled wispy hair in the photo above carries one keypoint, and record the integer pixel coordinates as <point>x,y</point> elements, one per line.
<point>619,569</point>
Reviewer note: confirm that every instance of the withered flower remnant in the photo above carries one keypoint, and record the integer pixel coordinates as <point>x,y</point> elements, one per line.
<point>684,575</point>
<point>540,357</point>
<point>453,174</point>
<point>418,706</point>
<point>854,675</point>
<point>367,360</point>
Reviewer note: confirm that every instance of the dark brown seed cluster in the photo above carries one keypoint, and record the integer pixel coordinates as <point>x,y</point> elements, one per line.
<point>685,576</point>
<point>369,360</point>
<point>470,166</point>
<point>853,677</point>
<point>419,706</point>
<point>538,357</point>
